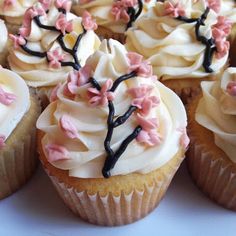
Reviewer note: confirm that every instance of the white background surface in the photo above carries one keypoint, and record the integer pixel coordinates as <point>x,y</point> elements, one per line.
<point>36,210</point>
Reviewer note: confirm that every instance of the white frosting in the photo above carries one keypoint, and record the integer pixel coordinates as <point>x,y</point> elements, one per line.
<point>11,115</point>
<point>216,111</point>
<point>101,10</point>
<point>86,153</point>
<point>35,70</point>
<point>14,13</point>
<point>171,44</point>
<point>3,38</point>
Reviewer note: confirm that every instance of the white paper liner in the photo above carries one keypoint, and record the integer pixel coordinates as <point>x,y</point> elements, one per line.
<point>215,177</point>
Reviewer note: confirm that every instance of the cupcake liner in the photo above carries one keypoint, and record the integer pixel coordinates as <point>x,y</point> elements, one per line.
<point>18,158</point>
<point>216,178</point>
<point>212,171</point>
<point>114,208</point>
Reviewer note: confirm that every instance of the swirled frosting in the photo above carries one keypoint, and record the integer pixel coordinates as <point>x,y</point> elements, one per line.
<point>50,43</point>
<point>169,36</point>
<point>14,102</point>
<point>3,38</point>
<point>13,10</point>
<point>102,11</point>
<point>216,111</point>
<point>75,125</point>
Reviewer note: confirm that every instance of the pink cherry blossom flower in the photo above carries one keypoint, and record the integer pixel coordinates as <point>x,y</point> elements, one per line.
<point>46,4</point>
<point>184,139</point>
<point>2,141</point>
<point>64,4</point>
<point>35,11</point>
<point>141,91</point>
<point>24,31</point>
<point>6,98</point>
<point>222,48</point>
<point>101,97</point>
<point>145,104</point>
<point>119,11</point>
<point>18,40</point>
<point>8,3</point>
<point>55,58</point>
<point>63,25</point>
<point>215,5</point>
<point>148,135</point>
<point>231,88</point>
<point>68,127</point>
<point>88,22</point>
<point>143,68</point>
<point>53,96</point>
<point>224,25</point>
<point>56,152</point>
<point>173,10</point>
<point>76,79</point>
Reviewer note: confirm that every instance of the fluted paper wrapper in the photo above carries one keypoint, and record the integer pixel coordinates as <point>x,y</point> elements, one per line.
<point>215,177</point>
<point>212,171</point>
<point>117,209</point>
<point>18,158</point>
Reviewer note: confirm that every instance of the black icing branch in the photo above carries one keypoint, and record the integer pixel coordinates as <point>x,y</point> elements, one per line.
<point>112,123</point>
<point>133,15</point>
<point>60,39</point>
<point>209,43</point>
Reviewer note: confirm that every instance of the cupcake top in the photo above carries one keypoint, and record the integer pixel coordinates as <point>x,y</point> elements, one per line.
<point>13,10</point>
<point>113,117</point>
<point>181,39</point>
<point>14,102</point>
<point>4,36</point>
<point>51,42</point>
<point>115,15</point>
<point>216,111</point>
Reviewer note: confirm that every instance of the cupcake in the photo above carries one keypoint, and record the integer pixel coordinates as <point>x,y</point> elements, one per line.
<point>113,17</point>
<point>19,112</point>
<point>113,139</point>
<point>3,43</point>
<point>12,11</point>
<point>212,130</point>
<point>51,43</point>
<point>187,45</point>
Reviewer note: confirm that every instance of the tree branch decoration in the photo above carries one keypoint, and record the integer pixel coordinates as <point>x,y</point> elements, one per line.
<point>125,10</point>
<point>55,58</point>
<point>104,95</point>
<point>217,43</point>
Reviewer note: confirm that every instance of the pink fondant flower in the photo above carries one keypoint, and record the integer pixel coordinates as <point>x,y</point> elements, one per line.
<point>76,79</point>
<point>64,4</point>
<point>68,127</point>
<point>2,141</point>
<point>53,95</point>
<point>145,104</point>
<point>101,97</point>
<point>6,98</point>
<point>231,88</point>
<point>46,4</point>
<point>56,152</point>
<point>55,58</point>
<point>224,25</point>
<point>215,5</point>
<point>33,11</point>
<point>148,135</point>
<point>184,139</point>
<point>173,10</point>
<point>120,9</point>
<point>222,48</point>
<point>143,68</point>
<point>63,25</point>
<point>8,3</point>
<point>24,31</point>
<point>18,40</point>
<point>88,22</point>
<point>141,91</point>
